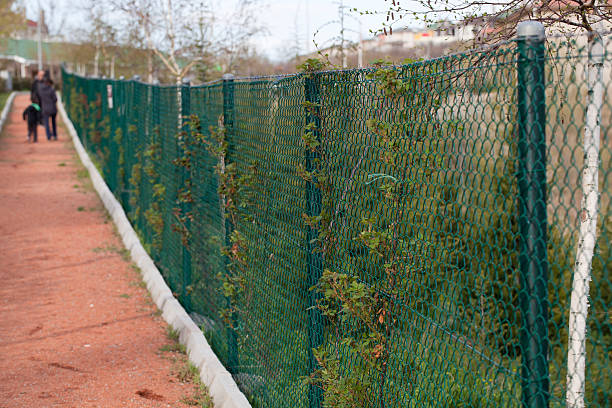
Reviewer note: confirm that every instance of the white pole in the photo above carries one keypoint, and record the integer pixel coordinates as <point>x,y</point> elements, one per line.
<point>39,33</point>
<point>579,303</point>
<point>96,61</point>
<point>360,47</point>
<point>342,50</point>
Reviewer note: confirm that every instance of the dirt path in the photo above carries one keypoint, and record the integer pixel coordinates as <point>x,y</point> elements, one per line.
<point>76,327</point>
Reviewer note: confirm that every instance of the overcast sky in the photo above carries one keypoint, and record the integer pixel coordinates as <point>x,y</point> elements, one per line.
<point>288,22</point>
<point>284,16</point>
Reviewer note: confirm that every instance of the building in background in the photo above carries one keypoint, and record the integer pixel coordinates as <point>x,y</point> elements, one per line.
<point>19,54</point>
<point>435,35</point>
<point>30,31</point>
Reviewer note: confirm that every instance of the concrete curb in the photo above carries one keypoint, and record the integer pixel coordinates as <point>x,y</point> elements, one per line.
<point>221,385</point>
<point>6,109</point>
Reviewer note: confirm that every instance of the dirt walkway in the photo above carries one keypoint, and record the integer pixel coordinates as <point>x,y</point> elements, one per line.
<point>76,327</point>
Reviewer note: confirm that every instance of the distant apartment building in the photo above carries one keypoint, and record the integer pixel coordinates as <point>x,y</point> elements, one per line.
<point>406,38</point>
<point>30,32</point>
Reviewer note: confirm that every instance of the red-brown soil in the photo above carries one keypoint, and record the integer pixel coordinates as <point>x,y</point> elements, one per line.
<point>76,328</point>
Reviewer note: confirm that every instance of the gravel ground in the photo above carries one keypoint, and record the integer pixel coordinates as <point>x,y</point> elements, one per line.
<point>77,329</point>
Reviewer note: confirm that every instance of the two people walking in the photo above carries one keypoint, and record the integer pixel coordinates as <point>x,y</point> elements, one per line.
<point>43,109</point>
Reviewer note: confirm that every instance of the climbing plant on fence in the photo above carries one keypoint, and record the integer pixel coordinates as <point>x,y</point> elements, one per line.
<point>396,236</point>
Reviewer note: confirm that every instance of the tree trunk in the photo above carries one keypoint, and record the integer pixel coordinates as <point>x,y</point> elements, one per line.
<point>149,53</point>
<point>579,304</point>
<point>150,66</point>
<point>97,62</point>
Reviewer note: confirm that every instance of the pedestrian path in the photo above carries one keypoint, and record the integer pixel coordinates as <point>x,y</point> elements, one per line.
<point>76,327</point>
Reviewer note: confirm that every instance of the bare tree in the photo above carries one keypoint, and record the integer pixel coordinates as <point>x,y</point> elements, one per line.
<point>175,39</point>
<point>183,34</point>
<point>12,17</point>
<point>142,18</point>
<point>338,44</point>
<point>55,18</point>
<point>102,35</point>
<point>168,31</point>
<point>497,19</point>
<point>200,48</point>
<point>234,30</point>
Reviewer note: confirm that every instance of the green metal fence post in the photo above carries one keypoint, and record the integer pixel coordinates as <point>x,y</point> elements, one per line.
<point>185,205</point>
<point>121,128</point>
<point>532,214</point>
<point>84,129</point>
<point>228,124</point>
<point>143,138</point>
<point>112,170</point>
<point>314,261</point>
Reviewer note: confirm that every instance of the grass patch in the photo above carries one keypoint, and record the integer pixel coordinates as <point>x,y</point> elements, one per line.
<point>125,295</point>
<point>121,251</point>
<point>82,173</point>
<point>139,283</point>
<point>172,334</point>
<point>107,216</point>
<point>200,397</point>
<point>186,372</point>
<point>3,97</point>
<point>108,248</point>
<point>81,208</point>
<point>173,347</point>
<point>125,254</point>
<point>62,164</point>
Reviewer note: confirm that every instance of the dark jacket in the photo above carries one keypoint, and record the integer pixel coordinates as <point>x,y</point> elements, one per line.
<point>34,91</point>
<point>32,114</point>
<point>48,98</point>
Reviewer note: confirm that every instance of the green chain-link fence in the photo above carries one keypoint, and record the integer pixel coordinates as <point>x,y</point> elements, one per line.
<point>397,236</point>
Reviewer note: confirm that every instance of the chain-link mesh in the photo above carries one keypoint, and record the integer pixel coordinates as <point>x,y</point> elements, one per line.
<point>406,236</point>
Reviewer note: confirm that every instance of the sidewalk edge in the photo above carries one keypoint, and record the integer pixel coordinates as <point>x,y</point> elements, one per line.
<point>221,386</point>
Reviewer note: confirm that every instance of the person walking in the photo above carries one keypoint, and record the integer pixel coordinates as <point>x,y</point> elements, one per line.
<point>38,80</point>
<point>48,99</point>
<point>33,116</point>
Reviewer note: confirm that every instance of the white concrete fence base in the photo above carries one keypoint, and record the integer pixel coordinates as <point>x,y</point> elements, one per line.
<point>221,385</point>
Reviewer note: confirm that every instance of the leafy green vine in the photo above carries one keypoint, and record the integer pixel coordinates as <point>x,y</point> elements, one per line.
<point>153,214</point>
<point>361,314</point>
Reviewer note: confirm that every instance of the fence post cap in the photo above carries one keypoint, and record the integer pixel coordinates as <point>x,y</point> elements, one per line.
<point>228,77</point>
<point>136,78</point>
<point>121,78</point>
<point>530,29</point>
<point>186,82</point>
